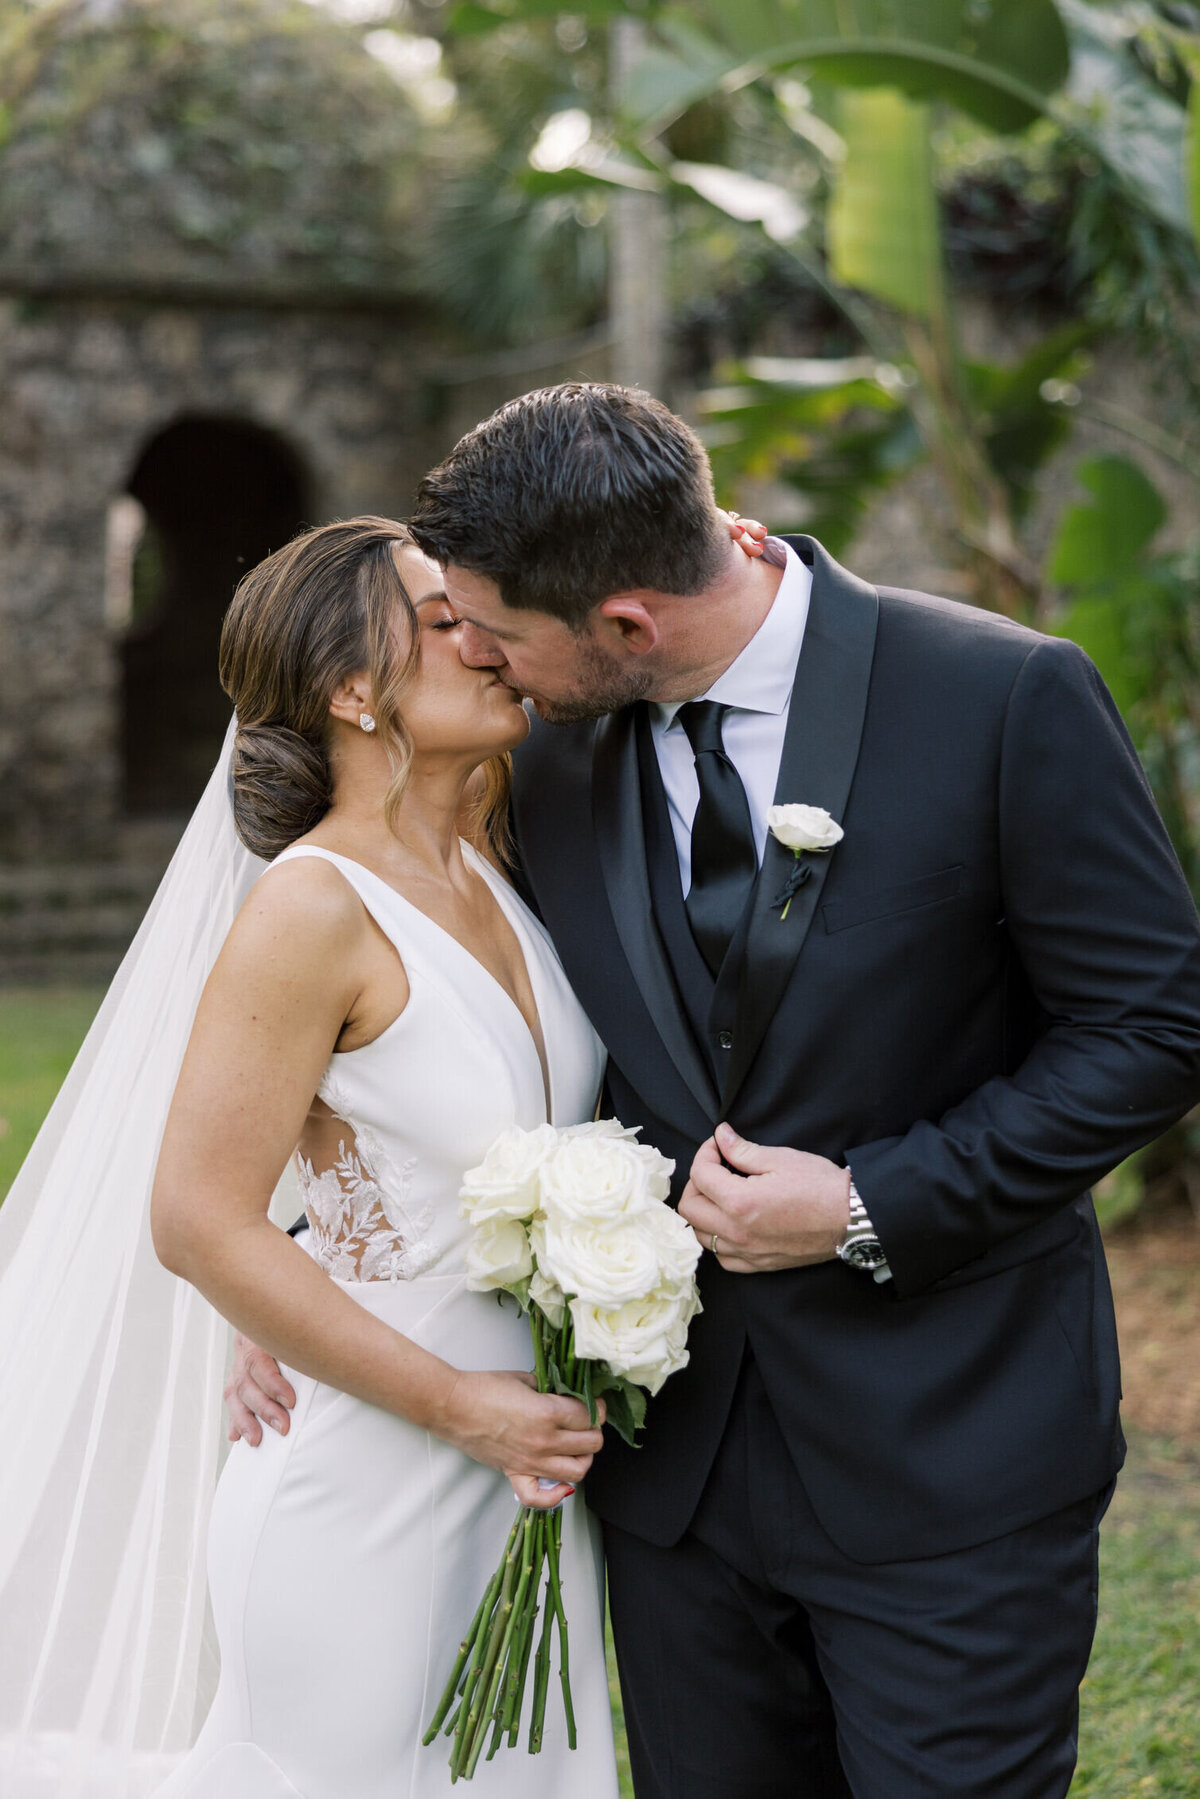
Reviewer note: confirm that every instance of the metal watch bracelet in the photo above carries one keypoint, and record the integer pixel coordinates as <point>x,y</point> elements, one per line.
<point>860,1248</point>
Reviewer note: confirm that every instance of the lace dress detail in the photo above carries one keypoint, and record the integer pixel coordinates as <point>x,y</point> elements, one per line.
<point>364,1225</point>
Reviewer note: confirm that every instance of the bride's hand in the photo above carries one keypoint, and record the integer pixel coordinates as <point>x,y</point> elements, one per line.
<point>747,533</point>
<point>501,1419</point>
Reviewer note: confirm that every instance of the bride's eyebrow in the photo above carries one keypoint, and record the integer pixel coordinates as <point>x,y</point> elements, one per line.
<point>430,599</point>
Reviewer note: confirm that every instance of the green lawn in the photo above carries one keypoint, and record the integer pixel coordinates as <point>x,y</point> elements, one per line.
<point>1140,1710</point>
<point>1140,1729</point>
<point>40,1030</point>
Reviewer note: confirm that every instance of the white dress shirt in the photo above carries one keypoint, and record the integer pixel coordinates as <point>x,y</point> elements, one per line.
<point>758,686</point>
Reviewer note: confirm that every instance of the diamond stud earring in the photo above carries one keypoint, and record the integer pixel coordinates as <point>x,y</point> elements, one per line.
<point>366,721</point>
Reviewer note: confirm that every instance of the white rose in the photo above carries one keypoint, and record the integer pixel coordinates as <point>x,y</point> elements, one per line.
<point>601,1176</point>
<point>804,827</point>
<point>605,1263</point>
<point>505,1184</point>
<point>645,1339</point>
<point>676,1243</point>
<point>498,1255</point>
<point>600,1127</point>
<point>549,1297</point>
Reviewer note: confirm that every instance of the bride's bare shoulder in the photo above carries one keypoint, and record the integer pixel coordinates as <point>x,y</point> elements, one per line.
<point>305,902</point>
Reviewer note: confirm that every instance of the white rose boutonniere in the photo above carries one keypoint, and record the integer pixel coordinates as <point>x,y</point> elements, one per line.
<point>805,830</point>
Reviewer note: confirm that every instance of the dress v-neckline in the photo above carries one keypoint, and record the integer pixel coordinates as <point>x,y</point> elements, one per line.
<point>478,865</point>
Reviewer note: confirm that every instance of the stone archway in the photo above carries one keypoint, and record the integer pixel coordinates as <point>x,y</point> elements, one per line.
<point>217,494</point>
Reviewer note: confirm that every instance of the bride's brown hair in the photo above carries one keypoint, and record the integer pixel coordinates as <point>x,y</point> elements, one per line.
<point>324,608</point>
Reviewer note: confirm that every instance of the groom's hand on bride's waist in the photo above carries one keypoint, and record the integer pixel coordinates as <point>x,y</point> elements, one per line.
<point>765,1207</point>
<point>256,1390</point>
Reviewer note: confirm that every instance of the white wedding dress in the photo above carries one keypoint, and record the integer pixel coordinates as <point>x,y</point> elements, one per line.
<point>347,1559</point>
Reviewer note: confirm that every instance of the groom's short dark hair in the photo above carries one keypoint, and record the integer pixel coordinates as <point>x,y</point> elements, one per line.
<point>571,493</point>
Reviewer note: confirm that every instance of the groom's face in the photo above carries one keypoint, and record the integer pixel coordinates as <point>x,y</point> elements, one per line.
<point>569,676</point>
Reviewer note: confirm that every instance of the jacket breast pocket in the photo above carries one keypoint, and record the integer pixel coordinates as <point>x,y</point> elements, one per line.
<point>889,902</point>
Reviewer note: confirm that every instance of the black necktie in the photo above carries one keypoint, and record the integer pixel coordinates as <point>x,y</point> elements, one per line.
<point>724,856</point>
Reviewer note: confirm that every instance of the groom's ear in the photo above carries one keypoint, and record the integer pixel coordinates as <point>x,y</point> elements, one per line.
<point>633,619</point>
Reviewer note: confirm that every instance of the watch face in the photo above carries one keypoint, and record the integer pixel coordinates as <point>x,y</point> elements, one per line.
<point>866,1253</point>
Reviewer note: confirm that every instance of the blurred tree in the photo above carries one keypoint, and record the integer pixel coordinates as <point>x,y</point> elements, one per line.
<point>173,138</point>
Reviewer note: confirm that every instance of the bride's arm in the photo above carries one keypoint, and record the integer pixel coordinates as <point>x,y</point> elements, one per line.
<point>271,1013</point>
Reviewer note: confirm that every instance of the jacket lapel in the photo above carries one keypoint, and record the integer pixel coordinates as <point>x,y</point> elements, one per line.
<point>820,750</point>
<point>621,841</point>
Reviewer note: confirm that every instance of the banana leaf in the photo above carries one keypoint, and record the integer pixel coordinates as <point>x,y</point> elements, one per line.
<point>996,61</point>
<point>882,224</point>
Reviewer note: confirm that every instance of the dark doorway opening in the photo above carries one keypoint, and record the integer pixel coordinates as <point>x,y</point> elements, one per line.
<point>218,495</point>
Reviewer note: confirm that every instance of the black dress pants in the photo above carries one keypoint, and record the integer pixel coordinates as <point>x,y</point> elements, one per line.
<point>758,1661</point>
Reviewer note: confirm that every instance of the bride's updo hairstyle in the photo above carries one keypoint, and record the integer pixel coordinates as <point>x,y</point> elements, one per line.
<point>327,606</point>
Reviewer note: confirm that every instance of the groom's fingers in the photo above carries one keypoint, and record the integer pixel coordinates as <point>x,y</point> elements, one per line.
<point>708,1220</point>
<point>710,1174</point>
<point>723,1186</point>
<point>740,1153</point>
<point>256,1390</point>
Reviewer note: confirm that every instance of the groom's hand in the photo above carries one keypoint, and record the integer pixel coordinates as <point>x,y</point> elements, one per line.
<point>256,1389</point>
<point>766,1207</point>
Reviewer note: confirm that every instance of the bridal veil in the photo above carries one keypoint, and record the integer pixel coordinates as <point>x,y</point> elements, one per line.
<point>112,1368</point>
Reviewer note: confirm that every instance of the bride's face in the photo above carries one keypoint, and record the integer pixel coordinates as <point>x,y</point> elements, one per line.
<point>451,709</point>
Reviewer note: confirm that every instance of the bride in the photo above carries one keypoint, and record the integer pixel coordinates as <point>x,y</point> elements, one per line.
<point>385,1001</point>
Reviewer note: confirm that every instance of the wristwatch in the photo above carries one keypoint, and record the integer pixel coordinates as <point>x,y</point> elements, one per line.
<point>860,1247</point>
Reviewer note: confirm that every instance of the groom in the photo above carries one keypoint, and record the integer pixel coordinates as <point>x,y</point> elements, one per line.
<point>857,1551</point>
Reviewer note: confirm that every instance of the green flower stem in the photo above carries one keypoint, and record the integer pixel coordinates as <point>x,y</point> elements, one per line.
<point>541,1681</point>
<point>497,1733</point>
<point>554,1591</point>
<point>537,1325</point>
<point>480,1680</point>
<point>517,1700</point>
<point>510,1612</point>
<point>464,1651</point>
<point>478,1649</point>
<point>502,1714</point>
<point>519,1660</point>
<point>791,896</point>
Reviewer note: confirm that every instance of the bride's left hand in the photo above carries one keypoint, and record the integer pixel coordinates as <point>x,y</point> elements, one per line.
<point>747,533</point>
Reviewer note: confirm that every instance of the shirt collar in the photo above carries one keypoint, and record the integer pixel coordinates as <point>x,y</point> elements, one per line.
<point>761,677</point>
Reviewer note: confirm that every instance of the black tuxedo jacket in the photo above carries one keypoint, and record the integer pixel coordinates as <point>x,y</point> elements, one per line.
<point>981,1000</point>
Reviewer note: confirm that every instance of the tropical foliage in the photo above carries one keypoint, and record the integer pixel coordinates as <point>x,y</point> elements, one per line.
<point>853,145</point>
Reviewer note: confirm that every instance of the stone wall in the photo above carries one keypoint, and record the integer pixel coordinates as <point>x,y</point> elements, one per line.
<point>362,402</point>
<point>84,387</point>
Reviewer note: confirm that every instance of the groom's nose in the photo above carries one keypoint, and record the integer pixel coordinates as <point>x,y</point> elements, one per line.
<point>477,649</point>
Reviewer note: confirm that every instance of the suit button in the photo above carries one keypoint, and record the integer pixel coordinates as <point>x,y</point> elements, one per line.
<point>725,1039</point>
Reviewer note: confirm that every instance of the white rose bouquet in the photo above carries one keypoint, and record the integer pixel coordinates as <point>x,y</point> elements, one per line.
<point>575,1225</point>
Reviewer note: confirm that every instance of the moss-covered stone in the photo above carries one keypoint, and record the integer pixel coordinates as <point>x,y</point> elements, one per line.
<point>248,144</point>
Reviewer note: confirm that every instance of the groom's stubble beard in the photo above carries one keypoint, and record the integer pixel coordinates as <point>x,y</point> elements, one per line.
<point>604,686</point>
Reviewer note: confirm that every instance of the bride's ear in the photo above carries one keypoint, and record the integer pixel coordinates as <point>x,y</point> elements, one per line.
<point>352,700</point>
